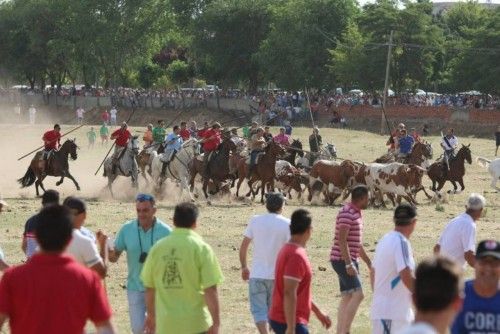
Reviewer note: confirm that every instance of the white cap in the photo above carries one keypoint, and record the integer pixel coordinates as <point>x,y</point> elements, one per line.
<point>475,202</point>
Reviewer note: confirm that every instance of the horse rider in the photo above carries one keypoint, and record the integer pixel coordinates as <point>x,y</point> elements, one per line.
<point>148,136</point>
<point>159,134</point>
<point>173,143</point>
<point>393,140</point>
<point>211,139</point>
<point>268,136</point>
<point>51,141</point>
<point>193,129</point>
<point>184,131</point>
<point>253,129</point>
<point>121,138</point>
<point>405,145</point>
<point>282,138</point>
<point>257,145</point>
<point>449,144</point>
<point>315,143</point>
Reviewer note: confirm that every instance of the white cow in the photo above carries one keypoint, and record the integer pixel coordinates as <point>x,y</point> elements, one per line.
<point>493,168</point>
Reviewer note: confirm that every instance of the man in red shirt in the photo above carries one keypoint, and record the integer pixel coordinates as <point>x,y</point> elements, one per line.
<point>211,139</point>
<point>52,293</point>
<point>121,138</point>
<point>292,303</point>
<point>184,133</point>
<point>105,117</point>
<point>202,131</point>
<point>51,141</point>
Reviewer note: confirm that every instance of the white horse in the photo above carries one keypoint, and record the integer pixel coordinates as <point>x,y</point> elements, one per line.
<point>127,164</point>
<point>493,168</point>
<point>178,168</point>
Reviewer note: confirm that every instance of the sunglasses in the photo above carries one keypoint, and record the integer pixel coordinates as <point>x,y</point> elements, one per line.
<point>145,198</point>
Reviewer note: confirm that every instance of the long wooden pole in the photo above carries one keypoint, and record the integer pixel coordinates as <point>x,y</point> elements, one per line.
<point>39,148</point>
<point>312,118</point>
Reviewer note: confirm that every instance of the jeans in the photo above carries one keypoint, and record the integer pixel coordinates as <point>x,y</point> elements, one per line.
<point>136,311</point>
<point>280,328</point>
<point>348,284</point>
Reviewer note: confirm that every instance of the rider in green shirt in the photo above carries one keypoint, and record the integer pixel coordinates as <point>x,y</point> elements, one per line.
<point>159,132</point>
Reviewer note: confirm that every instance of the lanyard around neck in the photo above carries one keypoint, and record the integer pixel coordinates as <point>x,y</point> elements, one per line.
<point>139,234</point>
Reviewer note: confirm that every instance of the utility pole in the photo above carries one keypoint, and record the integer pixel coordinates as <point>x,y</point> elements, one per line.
<point>386,85</point>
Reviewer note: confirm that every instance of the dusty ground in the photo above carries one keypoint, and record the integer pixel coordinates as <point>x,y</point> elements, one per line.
<point>223,223</point>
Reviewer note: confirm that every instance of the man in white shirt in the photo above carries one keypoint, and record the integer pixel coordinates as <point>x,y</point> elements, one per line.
<point>438,286</point>
<point>32,113</point>
<point>392,275</point>
<point>81,247</point>
<point>458,240</point>
<point>112,114</point>
<point>268,233</point>
<point>449,143</point>
<point>79,115</point>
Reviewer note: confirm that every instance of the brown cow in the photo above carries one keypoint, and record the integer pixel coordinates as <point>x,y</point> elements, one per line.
<point>331,178</point>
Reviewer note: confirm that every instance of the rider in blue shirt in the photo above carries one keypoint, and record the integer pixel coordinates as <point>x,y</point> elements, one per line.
<point>405,144</point>
<point>173,143</point>
<point>481,307</point>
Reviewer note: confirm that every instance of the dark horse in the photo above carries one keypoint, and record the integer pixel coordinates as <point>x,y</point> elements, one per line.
<point>56,166</point>
<point>264,171</point>
<point>439,173</point>
<point>218,166</point>
<point>294,149</point>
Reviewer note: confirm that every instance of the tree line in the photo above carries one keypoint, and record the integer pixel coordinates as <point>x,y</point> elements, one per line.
<point>247,44</point>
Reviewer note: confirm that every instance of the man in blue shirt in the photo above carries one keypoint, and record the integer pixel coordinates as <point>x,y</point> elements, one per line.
<point>481,309</point>
<point>405,144</point>
<point>173,143</point>
<point>136,237</point>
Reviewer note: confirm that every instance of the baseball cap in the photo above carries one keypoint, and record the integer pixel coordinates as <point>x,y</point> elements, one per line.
<point>488,248</point>
<point>50,197</point>
<point>75,203</point>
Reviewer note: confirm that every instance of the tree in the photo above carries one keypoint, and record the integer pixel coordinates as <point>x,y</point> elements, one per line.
<point>179,72</point>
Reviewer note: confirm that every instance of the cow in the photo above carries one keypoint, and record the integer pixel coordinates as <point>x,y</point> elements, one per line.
<point>395,179</point>
<point>493,168</point>
<point>331,178</point>
<point>289,178</point>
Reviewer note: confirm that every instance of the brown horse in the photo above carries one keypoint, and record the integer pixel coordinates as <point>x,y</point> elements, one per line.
<point>439,173</point>
<point>56,166</point>
<point>264,170</point>
<point>218,167</point>
<point>420,153</point>
<point>145,159</point>
<point>293,150</point>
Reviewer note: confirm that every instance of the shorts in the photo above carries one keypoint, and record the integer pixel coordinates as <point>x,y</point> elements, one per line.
<point>280,328</point>
<point>386,326</point>
<point>260,293</point>
<point>348,284</point>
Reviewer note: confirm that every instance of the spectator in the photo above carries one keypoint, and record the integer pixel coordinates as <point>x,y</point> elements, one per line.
<point>52,293</point>
<point>184,133</point>
<point>392,275</point>
<point>79,115</point>
<point>136,237</point>
<point>104,132</point>
<point>458,239</point>
<point>82,248</point>
<point>282,138</point>
<point>291,302</point>
<point>497,139</point>
<point>346,250</point>
<point>481,307</point>
<point>91,136</point>
<point>29,244</point>
<point>3,264</point>
<point>288,128</point>
<point>32,114</point>
<point>437,296</point>
<point>268,233</point>
<point>105,117</point>
<point>181,275</point>
<point>113,112</point>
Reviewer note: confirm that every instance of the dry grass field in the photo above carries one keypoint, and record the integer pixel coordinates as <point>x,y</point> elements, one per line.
<point>223,223</point>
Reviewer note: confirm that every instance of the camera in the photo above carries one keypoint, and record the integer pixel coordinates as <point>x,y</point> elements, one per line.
<point>142,257</point>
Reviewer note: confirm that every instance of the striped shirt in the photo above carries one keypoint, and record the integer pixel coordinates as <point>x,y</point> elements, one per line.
<point>349,216</point>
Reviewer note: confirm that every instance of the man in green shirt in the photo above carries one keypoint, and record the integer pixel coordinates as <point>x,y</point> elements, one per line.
<point>181,275</point>
<point>104,132</point>
<point>159,134</point>
<point>91,136</point>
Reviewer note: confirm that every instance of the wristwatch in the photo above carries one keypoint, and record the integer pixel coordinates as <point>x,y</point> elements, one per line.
<point>350,265</point>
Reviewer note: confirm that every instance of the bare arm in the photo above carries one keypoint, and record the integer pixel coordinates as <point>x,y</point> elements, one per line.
<point>290,302</point>
<point>344,248</point>
<point>245,273</point>
<point>212,301</point>
<point>3,265</point>
<point>322,317</point>
<point>150,323</point>
<point>3,318</point>
<point>364,257</point>
<point>407,278</point>
<point>437,249</point>
<point>105,327</point>
<point>470,258</point>
<point>24,245</point>
<point>100,269</point>
<point>114,255</point>
<point>372,277</point>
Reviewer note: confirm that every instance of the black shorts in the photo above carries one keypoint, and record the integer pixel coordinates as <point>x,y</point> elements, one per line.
<point>348,284</point>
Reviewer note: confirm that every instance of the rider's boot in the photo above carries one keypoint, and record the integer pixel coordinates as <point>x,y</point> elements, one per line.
<point>164,169</point>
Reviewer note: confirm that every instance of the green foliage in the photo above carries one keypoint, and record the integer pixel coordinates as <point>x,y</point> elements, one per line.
<point>179,72</point>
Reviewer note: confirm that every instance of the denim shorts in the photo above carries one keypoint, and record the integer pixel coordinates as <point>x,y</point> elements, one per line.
<point>348,284</point>
<point>280,328</point>
<point>260,295</point>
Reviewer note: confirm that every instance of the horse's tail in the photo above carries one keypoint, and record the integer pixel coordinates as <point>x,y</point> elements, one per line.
<point>28,179</point>
<point>483,162</point>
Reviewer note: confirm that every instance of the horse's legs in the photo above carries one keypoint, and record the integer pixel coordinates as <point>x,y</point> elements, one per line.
<point>58,183</point>
<point>205,186</point>
<point>240,180</point>
<point>454,183</point>
<point>185,186</point>
<point>36,188</point>
<point>74,181</point>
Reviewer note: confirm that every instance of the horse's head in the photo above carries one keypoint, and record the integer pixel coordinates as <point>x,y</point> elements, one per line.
<point>70,147</point>
<point>465,153</point>
<point>134,145</point>
<point>276,149</point>
<point>332,150</point>
<point>192,144</point>
<point>298,145</point>
<point>229,145</point>
<point>423,149</point>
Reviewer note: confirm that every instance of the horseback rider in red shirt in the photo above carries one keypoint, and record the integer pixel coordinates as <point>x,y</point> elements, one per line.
<point>211,140</point>
<point>51,141</point>
<point>121,137</point>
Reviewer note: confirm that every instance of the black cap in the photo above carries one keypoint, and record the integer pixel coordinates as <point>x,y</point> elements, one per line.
<point>50,197</point>
<point>488,248</point>
<point>74,203</point>
<point>404,214</point>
